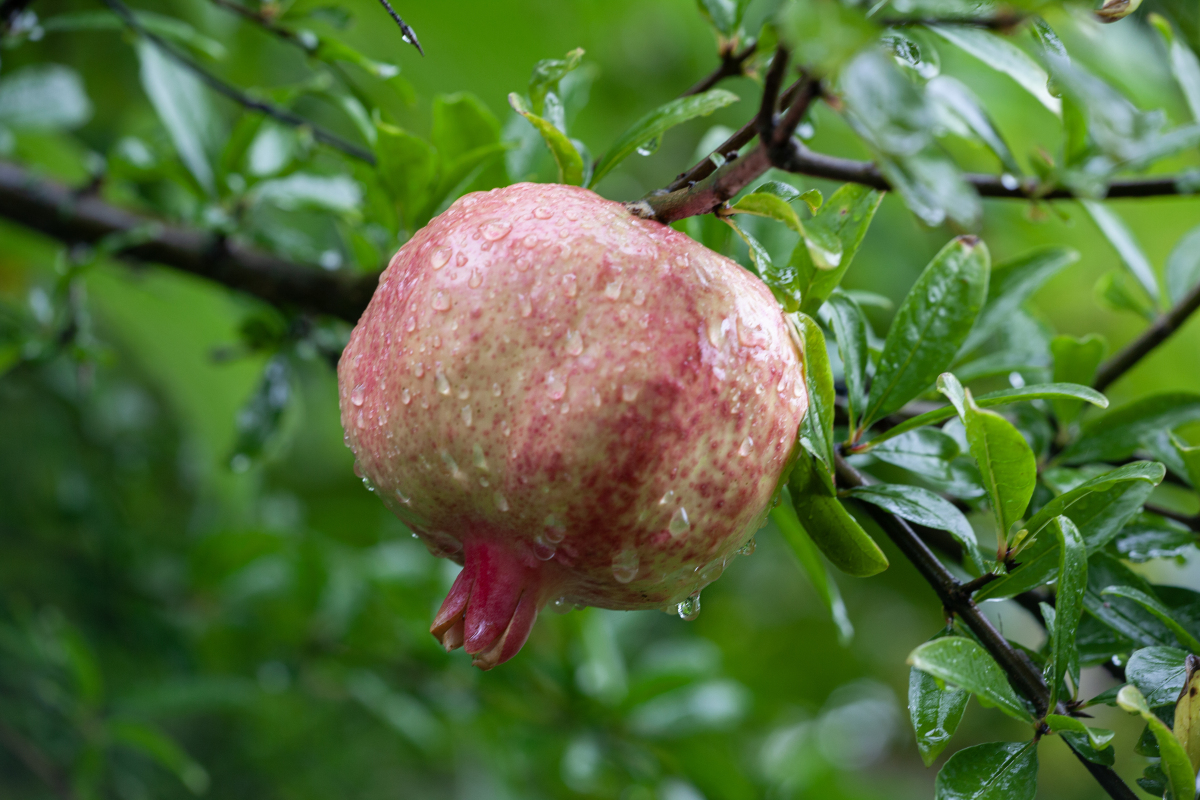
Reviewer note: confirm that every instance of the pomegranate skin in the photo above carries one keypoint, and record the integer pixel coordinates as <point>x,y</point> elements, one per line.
<point>576,404</point>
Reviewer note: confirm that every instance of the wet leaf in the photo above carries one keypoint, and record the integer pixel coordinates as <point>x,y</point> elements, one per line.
<point>1011,284</point>
<point>850,328</point>
<point>1183,266</point>
<point>185,110</point>
<point>1160,611</point>
<point>1184,64</point>
<point>1072,582</point>
<point>838,535</point>
<point>846,214</point>
<point>1119,433</point>
<point>1123,241</point>
<point>546,76</point>
<point>566,155</point>
<point>784,517</point>
<point>1075,361</point>
<point>1187,712</point>
<point>1003,56</point>
<point>1181,776</point>
<point>954,99</point>
<point>930,326</point>
<point>964,663</point>
<point>1149,536</point>
<point>1092,743</point>
<point>924,508</point>
<point>1159,672</point>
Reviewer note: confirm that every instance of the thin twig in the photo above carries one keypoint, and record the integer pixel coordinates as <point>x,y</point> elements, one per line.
<point>1000,22</point>
<point>1022,674</point>
<point>408,33</point>
<point>732,65</point>
<point>1152,337</point>
<point>266,23</point>
<point>54,209</point>
<point>235,94</point>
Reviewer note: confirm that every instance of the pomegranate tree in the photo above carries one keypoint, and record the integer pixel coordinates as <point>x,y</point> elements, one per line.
<point>577,405</point>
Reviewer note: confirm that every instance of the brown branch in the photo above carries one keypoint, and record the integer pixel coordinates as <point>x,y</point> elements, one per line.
<point>1152,337</point>
<point>36,762</point>
<point>953,594</point>
<point>1004,22</point>
<point>62,214</point>
<point>732,65</point>
<point>233,93</point>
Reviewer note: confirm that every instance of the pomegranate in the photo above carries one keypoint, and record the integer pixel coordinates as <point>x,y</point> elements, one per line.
<point>577,405</point>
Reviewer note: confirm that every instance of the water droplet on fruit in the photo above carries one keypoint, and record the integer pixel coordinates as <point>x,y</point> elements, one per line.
<point>748,548</point>
<point>403,498</point>
<point>542,212</point>
<point>526,305</point>
<point>360,421</point>
<point>452,465</point>
<point>542,550</point>
<point>613,289</point>
<point>667,497</point>
<point>443,385</point>
<point>561,606</point>
<point>478,458</point>
<point>679,524</point>
<point>625,565</point>
<point>501,501</point>
<point>639,347</point>
<point>530,241</point>
<point>358,395</point>
<point>495,229</point>
<point>461,259</point>
<point>496,390</point>
<point>467,416</point>
<point>574,343</point>
<point>405,396</point>
<point>555,531</point>
<point>411,324</point>
<point>419,369</point>
<point>689,609</point>
<point>476,279</point>
<point>367,483</point>
<point>571,213</point>
<point>629,393</point>
<point>441,302</point>
<point>712,570</point>
<point>569,285</point>
<point>746,448</point>
<point>439,257</point>
<point>556,385</point>
<point>639,297</point>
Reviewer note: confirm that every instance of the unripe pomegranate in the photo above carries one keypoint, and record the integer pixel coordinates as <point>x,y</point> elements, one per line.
<point>575,404</point>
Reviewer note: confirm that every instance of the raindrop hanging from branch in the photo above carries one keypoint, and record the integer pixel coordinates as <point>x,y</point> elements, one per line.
<point>408,33</point>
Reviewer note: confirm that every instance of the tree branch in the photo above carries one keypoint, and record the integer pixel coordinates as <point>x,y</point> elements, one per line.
<point>732,64</point>
<point>406,32</point>
<point>235,94</point>
<point>60,213</point>
<point>1023,675</point>
<point>1152,337</point>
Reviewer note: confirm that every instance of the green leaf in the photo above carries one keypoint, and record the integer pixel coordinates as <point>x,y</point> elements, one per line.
<point>546,75</point>
<point>1075,361</point>
<point>331,49</point>
<point>1183,266</point>
<point>1037,391</point>
<point>955,101</point>
<point>170,28</point>
<point>24,94</point>
<point>161,748</point>
<point>924,508</point>
<point>935,710</point>
<point>1123,241</point>
<point>1155,607</point>
<point>724,15</point>
<point>336,193</point>
<point>850,328</point>
<point>1072,582</point>
<point>1003,56</point>
<point>926,452</point>
<point>1190,456</point>
<point>1123,615</point>
<point>824,247</point>
<point>935,713</point>
<point>784,517</point>
<point>846,214</point>
<point>1006,463</point>
<point>1149,536</point>
<point>1012,283</point>
<point>658,122</point>
<point>407,166</point>
<point>1184,64</point>
<point>818,423</point>
<point>930,326</point>
<point>964,663</point>
<point>185,110</point>
<point>1159,672</point>
<point>1119,433</point>
<point>993,771</point>
<point>1091,743</point>
<point>1117,291</point>
<point>838,535</point>
<point>566,155</point>
<point>1181,776</point>
<point>1099,508</point>
<point>462,124</point>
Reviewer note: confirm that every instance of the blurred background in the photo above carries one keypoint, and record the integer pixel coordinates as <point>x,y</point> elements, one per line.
<point>198,596</point>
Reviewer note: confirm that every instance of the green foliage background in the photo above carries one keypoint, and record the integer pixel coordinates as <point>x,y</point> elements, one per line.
<point>171,626</point>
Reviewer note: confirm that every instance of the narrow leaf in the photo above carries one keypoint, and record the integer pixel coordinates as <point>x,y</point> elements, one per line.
<point>967,665</point>
<point>818,423</point>
<point>784,517</point>
<point>1121,614</point>
<point>1122,240</point>
<point>1119,433</point>
<point>924,508</point>
<point>1072,583</point>
<point>839,536</point>
<point>1011,284</point>
<point>657,122</point>
<point>954,97</point>
<point>566,156</point>
<point>1002,56</point>
<point>850,328</point>
<point>930,326</point>
<point>1183,266</point>
<point>1181,775</point>
<point>1155,607</point>
<point>185,109</point>
<point>1037,391</point>
<point>1184,64</point>
<point>846,214</point>
<point>1075,361</point>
